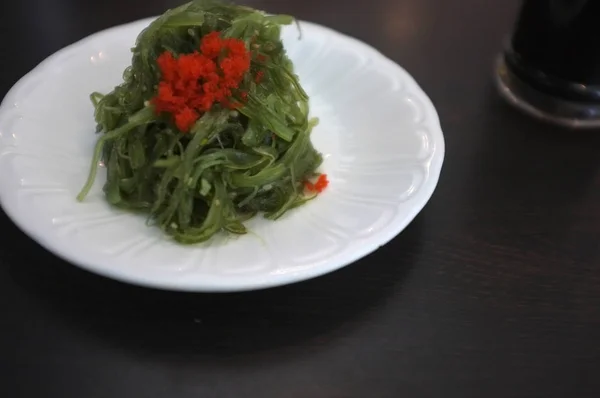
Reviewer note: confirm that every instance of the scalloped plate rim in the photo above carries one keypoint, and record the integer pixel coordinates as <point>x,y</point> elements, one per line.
<point>225,283</point>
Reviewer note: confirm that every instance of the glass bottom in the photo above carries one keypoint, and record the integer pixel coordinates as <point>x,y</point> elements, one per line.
<point>554,110</point>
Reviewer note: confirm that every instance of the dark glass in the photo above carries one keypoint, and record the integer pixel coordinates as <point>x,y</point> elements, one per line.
<point>551,65</point>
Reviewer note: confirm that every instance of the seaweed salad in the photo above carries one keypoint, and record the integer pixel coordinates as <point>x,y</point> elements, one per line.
<point>210,125</point>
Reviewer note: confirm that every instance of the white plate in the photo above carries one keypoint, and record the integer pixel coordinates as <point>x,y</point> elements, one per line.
<point>379,133</point>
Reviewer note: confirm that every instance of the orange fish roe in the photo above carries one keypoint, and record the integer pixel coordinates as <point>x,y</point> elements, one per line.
<point>192,83</point>
<point>319,185</point>
<point>261,58</point>
<point>259,76</point>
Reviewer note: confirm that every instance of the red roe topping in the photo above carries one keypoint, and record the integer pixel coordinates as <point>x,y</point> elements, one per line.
<point>192,83</point>
<point>319,185</point>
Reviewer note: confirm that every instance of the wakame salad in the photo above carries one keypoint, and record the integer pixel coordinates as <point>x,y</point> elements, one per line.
<point>210,125</point>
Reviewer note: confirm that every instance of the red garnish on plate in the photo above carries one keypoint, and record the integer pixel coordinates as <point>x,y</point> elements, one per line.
<point>261,58</point>
<point>259,76</point>
<point>319,185</point>
<point>192,83</point>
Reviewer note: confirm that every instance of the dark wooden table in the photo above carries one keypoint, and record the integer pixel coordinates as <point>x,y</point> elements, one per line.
<point>492,291</point>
